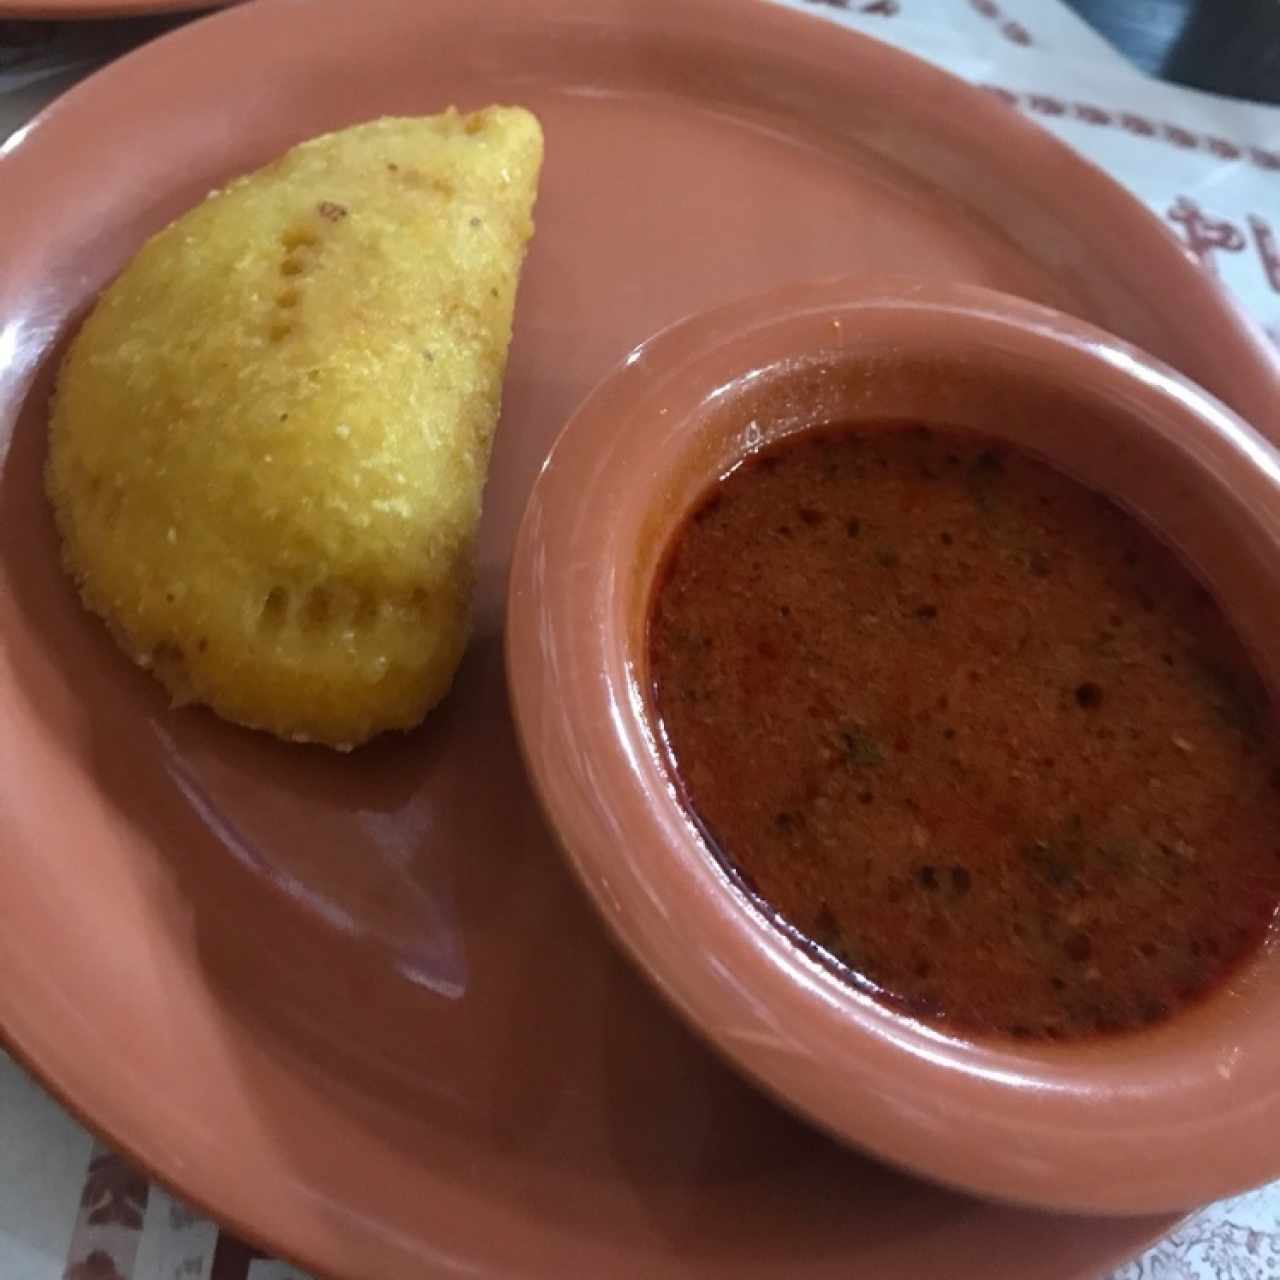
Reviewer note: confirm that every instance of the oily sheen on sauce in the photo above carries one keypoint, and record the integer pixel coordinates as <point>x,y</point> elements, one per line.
<point>970,729</point>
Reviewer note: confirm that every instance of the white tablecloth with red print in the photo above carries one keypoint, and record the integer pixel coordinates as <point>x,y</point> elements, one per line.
<point>71,1209</point>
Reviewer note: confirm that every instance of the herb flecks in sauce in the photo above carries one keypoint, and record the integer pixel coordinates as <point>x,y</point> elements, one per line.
<point>859,747</point>
<point>971,729</point>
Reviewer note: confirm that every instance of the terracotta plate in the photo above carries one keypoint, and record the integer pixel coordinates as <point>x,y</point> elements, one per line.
<point>356,1006</point>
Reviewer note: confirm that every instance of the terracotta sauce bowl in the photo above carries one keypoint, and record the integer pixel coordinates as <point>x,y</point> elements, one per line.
<point>1164,1118</point>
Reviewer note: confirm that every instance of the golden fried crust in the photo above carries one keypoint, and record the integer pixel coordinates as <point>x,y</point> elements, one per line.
<point>269,440</point>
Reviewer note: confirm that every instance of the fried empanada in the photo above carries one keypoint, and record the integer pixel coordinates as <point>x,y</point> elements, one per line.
<point>269,440</point>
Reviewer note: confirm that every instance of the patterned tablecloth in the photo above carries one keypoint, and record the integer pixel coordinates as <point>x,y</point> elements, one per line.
<point>70,1209</point>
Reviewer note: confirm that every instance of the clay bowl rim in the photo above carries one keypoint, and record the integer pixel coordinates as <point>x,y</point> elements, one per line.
<point>1076,1127</point>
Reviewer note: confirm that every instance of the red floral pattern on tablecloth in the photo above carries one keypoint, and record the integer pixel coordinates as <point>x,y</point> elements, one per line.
<point>99,1265</point>
<point>1140,125</point>
<point>883,8</point>
<point>104,1241</point>
<point>1010,28</point>
<point>114,1192</point>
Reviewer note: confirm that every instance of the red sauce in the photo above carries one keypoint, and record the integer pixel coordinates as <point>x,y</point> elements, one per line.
<point>969,729</point>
